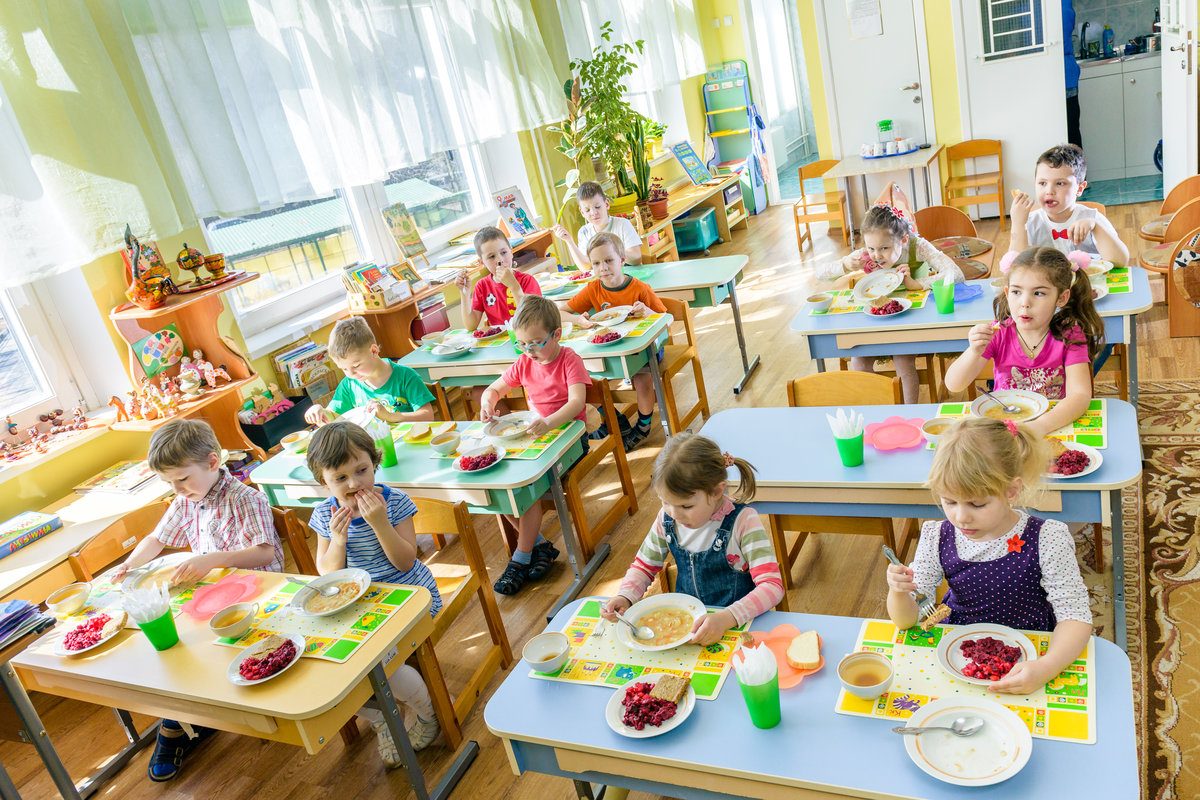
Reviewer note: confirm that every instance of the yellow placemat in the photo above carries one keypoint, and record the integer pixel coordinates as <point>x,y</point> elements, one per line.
<point>1064,709</point>
<point>845,303</point>
<point>1090,428</point>
<point>527,447</point>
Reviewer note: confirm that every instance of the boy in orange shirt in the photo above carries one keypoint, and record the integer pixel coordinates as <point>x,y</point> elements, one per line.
<point>606,252</point>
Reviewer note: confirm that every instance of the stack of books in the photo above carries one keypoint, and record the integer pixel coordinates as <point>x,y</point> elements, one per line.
<point>303,364</point>
<point>123,477</point>
<point>19,617</point>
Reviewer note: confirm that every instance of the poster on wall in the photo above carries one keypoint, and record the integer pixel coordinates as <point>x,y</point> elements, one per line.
<point>404,230</point>
<point>159,351</point>
<point>866,18</point>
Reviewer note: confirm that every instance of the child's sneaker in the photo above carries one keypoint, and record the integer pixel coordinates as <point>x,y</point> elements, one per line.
<point>422,733</point>
<point>170,751</point>
<point>387,746</point>
<point>637,434</point>
<point>514,577</point>
<point>541,559</point>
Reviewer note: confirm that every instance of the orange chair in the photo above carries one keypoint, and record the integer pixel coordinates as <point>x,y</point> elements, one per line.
<point>1183,318</point>
<point>935,222</point>
<point>972,184</point>
<point>1155,230</point>
<point>1103,209</point>
<point>1157,258</point>
<point>294,535</point>
<point>115,541</point>
<point>819,207</point>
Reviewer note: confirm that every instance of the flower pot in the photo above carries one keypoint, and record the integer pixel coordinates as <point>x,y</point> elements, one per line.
<point>658,208</point>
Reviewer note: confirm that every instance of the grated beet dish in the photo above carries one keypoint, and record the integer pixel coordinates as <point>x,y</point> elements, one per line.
<point>641,709</point>
<point>85,634</point>
<point>472,463</point>
<point>605,338</point>
<point>1071,462</point>
<point>991,659</point>
<point>254,669</point>
<point>891,307</point>
<point>483,333</point>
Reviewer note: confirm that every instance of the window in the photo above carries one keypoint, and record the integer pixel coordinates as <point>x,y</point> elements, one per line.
<point>1011,28</point>
<point>22,380</point>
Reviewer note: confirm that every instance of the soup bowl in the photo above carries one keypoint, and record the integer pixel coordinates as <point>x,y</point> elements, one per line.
<point>674,601</point>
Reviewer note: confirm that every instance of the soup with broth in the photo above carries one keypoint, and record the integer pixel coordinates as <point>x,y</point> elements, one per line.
<point>864,672</point>
<point>346,590</point>
<point>670,624</point>
<point>996,411</point>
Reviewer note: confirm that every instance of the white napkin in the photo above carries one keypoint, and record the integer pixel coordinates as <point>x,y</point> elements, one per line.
<point>846,425</point>
<point>145,605</point>
<point>947,278</point>
<point>758,665</point>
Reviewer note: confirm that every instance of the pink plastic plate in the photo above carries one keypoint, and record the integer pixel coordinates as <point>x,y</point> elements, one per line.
<point>894,433</point>
<point>777,640</point>
<point>208,600</point>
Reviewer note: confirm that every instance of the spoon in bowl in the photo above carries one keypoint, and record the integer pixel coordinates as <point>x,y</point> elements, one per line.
<point>639,631</point>
<point>961,726</point>
<point>1007,408</point>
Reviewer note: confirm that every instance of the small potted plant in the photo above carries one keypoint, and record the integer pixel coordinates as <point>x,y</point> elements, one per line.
<point>658,199</point>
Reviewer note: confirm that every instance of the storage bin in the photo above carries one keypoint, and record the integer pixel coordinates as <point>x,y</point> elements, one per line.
<point>695,230</point>
<point>271,432</point>
<point>732,192</point>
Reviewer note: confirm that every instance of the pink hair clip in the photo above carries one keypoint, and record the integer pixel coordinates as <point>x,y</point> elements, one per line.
<point>1012,426</point>
<point>728,459</point>
<point>1079,260</point>
<point>1007,260</point>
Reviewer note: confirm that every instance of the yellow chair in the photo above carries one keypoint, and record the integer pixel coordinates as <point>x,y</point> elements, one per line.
<point>116,541</point>
<point>1155,230</point>
<point>1158,258</point>
<point>971,185</point>
<point>819,207</point>
<point>834,389</point>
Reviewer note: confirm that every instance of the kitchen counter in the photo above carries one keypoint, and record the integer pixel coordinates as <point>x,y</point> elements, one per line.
<point>1097,62</point>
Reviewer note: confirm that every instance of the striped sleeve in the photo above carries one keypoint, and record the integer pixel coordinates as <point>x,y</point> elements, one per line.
<point>400,507</point>
<point>752,541</point>
<point>319,521</point>
<point>646,564</point>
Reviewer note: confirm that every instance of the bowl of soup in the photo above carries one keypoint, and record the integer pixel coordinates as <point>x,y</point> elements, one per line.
<point>865,674</point>
<point>233,621</point>
<point>546,652</point>
<point>670,616</point>
<point>446,443</point>
<point>820,301</point>
<point>296,443</point>
<point>934,428</point>
<point>68,599</point>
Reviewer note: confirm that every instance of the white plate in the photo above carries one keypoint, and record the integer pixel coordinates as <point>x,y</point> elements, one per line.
<point>1024,397</point>
<point>236,664</point>
<point>614,712</point>
<point>951,659</point>
<point>905,305</point>
<point>300,598</point>
<point>1100,264</point>
<point>520,418</point>
<point>503,332</point>
<point>450,350</point>
<point>620,336</point>
<point>1094,462</point>
<point>643,607</point>
<point>476,451</point>
<point>59,650</point>
<point>578,277</point>
<point>877,284</point>
<point>611,316</point>
<point>1099,292</point>
<point>994,754</point>
<point>551,282</point>
<point>135,579</point>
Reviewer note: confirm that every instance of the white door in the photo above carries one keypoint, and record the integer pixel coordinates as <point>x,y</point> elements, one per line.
<point>1179,107</point>
<point>1011,82</point>
<point>875,78</point>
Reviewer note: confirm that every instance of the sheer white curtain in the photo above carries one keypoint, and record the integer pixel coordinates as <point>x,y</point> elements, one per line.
<point>672,48</point>
<point>267,101</point>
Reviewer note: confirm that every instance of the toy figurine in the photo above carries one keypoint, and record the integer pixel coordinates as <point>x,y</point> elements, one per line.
<point>187,365</point>
<point>273,391</point>
<point>172,404</point>
<point>149,279</point>
<point>167,387</point>
<point>189,384</point>
<point>79,421</point>
<point>192,260</point>
<point>211,374</point>
<point>122,412</point>
<point>135,406</point>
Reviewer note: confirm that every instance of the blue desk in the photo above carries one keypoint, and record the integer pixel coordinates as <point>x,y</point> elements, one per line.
<point>558,729</point>
<point>923,330</point>
<point>812,481</point>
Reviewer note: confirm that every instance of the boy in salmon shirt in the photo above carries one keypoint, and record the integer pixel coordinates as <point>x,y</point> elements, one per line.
<point>555,383</point>
<point>614,288</point>
<point>497,294</point>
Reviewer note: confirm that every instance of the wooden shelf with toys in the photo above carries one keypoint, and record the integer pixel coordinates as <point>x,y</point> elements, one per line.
<point>177,360</point>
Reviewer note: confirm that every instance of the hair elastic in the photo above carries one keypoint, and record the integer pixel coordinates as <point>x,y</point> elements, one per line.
<point>728,459</point>
<point>1007,260</point>
<point>1012,426</point>
<point>1079,260</point>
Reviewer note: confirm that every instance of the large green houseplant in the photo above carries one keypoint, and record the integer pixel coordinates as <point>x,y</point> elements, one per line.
<point>608,116</point>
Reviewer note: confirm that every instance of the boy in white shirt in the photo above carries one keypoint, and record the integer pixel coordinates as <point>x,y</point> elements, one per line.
<point>593,205</point>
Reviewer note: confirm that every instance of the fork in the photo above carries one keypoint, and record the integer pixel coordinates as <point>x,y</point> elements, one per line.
<point>925,605</point>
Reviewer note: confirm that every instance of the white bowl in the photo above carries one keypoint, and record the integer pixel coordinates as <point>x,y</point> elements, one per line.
<point>933,437</point>
<point>430,339</point>
<point>69,599</point>
<point>875,689</point>
<point>296,443</point>
<point>521,419</point>
<point>546,652</point>
<point>820,301</point>
<point>231,630</point>
<point>445,443</point>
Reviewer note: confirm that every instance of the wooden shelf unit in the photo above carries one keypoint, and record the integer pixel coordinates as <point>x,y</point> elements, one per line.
<point>685,197</point>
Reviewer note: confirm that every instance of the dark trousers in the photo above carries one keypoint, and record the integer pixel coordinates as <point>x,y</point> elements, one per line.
<point>1073,134</point>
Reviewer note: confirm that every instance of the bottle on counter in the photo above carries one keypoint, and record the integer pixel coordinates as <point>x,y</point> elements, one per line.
<point>1108,39</point>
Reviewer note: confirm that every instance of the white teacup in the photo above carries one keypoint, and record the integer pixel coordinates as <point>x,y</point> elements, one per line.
<point>865,674</point>
<point>232,621</point>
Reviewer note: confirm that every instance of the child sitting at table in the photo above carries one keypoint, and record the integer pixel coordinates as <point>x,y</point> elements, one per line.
<point>497,294</point>
<point>1046,335</point>
<point>1059,221</point>
<point>223,521</point>
<point>723,554</point>
<point>369,526</point>
<point>614,288</point>
<point>593,206</point>
<point>1003,565</point>
<point>555,383</point>
<point>886,234</point>
<point>393,392</point>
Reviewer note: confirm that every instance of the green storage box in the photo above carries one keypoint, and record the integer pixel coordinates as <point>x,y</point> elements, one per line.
<point>696,230</point>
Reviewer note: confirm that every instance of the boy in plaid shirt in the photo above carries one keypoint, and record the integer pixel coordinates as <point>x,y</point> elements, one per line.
<point>226,524</point>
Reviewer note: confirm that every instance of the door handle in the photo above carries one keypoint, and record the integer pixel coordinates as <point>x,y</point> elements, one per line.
<point>1133,80</point>
<point>1178,48</point>
<point>912,87</point>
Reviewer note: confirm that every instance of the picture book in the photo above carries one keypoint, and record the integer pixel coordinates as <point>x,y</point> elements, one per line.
<point>463,239</point>
<point>121,478</point>
<point>24,528</point>
<point>515,211</point>
<point>691,163</point>
<point>404,230</point>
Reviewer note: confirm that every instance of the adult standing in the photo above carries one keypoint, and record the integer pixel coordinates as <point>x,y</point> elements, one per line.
<point>1071,72</point>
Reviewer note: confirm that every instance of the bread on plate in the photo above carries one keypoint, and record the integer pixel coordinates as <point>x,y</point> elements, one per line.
<point>805,651</point>
<point>669,687</point>
<point>267,646</point>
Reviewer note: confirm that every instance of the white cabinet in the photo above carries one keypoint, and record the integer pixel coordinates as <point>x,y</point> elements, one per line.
<point>1120,117</point>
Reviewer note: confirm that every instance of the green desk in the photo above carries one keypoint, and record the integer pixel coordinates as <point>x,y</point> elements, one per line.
<point>511,487</point>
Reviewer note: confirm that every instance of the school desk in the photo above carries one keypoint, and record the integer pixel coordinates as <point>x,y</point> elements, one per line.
<point>806,477</point>
<point>511,487</point>
<point>862,167</point>
<point>558,728</point>
<point>306,706</point>
<point>924,330</point>
<point>612,362</point>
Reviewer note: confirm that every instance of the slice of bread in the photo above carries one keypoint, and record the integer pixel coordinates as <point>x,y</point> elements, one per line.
<point>939,614</point>
<point>267,646</point>
<point>116,621</point>
<point>805,651</point>
<point>442,427</point>
<point>669,687</point>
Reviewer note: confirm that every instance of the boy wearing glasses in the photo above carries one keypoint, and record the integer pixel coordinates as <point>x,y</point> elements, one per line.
<point>555,383</point>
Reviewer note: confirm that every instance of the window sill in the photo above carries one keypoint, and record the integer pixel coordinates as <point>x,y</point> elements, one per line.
<point>275,337</point>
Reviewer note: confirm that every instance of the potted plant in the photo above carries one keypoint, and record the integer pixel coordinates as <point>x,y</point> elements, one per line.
<point>573,137</point>
<point>636,137</point>
<point>658,199</point>
<point>655,131</point>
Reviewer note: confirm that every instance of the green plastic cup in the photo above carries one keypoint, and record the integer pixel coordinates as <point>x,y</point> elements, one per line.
<point>161,632</point>
<point>943,297</point>
<point>388,445</point>
<point>762,701</point>
<point>850,450</point>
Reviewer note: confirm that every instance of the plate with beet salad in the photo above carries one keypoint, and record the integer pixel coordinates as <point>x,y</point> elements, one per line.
<point>983,653</point>
<point>1072,460</point>
<point>636,712</point>
<point>265,659</point>
<point>478,459</point>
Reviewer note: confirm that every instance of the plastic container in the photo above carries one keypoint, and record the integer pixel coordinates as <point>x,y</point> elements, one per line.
<point>762,701</point>
<point>695,230</point>
<point>161,631</point>
<point>1108,39</point>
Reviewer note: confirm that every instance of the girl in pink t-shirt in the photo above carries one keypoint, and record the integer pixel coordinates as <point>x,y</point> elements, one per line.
<point>1046,334</point>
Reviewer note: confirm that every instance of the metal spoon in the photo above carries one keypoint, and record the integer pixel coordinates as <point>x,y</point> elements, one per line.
<point>323,591</point>
<point>639,632</point>
<point>961,726</point>
<point>997,401</point>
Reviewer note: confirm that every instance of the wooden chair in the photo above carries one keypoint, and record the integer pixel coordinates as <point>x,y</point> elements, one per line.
<point>1158,257</point>
<point>115,541</point>
<point>819,207</point>
<point>1103,209</point>
<point>834,389</point>
<point>1183,318</point>
<point>926,373</point>
<point>1155,230</point>
<point>293,534</point>
<point>935,222</point>
<point>976,148</point>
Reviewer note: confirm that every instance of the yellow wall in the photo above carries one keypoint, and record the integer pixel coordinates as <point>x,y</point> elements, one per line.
<point>943,76</point>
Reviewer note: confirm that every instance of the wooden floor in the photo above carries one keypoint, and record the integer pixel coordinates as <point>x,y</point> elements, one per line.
<point>836,574</point>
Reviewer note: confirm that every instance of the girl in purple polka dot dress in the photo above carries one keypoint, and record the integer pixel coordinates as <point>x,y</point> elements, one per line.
<point>1003,565</point>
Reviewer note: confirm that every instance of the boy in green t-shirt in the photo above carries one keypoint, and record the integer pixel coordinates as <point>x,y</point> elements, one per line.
<point>392,391</point>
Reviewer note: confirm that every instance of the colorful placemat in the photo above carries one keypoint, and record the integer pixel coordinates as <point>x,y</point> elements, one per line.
<point>332,638</point>
<point>1090,428</point>
<point>1119,280</point>
<point>845,303</point>
<point>1064,709</point>
<point>497,342</point>
<point>527,447</point>
<point>631,328</point>
<point>597,657</point>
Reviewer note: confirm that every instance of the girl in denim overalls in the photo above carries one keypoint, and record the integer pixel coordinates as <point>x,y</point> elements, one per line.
<point>723,555</point>
<point>1003,566</point>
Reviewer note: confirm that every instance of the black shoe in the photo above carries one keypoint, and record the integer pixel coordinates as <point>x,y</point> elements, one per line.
<point>514,577</point>
<point>599,433</point>
<point>170,751</point>
<point>541,559</point>
<point>637,434</point>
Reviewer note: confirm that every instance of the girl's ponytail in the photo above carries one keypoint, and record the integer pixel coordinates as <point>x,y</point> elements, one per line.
<point>689,463</point>
<point>744,492</point>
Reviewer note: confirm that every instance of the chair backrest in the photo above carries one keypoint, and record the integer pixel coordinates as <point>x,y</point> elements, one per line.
<point>845,388</point>
<point>973,148</point>
<point>935,222</point>
<point>815,169</point>
<point>679,311</point>
<point>293,535</point>
<point>1098,206</point>
<point>1186,218</point>
<point>1187,189</point>
<point>440,516</point>
<point>115,541</point>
